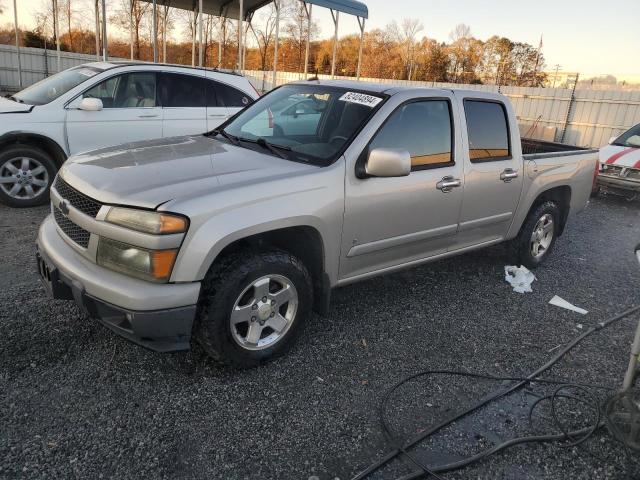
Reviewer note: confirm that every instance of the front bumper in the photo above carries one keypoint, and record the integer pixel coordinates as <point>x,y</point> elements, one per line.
<point>157,316</point>
<point>615,182</point>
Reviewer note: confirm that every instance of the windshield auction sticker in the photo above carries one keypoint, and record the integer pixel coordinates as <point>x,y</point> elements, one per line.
<point>361,99</point>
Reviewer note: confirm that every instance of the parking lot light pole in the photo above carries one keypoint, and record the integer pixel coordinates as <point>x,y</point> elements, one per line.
<point>240,18</point>
<point>131,6</point>
<point>15,18</point>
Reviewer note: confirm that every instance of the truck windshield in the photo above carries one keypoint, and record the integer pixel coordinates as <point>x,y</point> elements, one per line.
<point>50,88</point>
<point>312,123</point>
<point>630,138</point>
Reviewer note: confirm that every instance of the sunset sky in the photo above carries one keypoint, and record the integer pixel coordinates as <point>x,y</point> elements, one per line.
<point>589,37</point>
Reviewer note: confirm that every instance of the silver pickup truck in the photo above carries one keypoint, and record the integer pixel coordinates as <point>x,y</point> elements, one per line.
<point>232,238</point>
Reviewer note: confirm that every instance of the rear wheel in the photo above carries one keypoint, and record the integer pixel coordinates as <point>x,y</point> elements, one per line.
<point>538,235</point>
<point>252,307</point>
<point>26,174</point>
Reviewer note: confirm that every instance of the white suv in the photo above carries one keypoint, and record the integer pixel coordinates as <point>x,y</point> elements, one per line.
<point>103,104</point>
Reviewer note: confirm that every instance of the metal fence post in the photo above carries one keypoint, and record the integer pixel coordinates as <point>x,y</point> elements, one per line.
<point>569,109</point>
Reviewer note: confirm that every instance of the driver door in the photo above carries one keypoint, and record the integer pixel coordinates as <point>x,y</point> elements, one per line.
<point>130,113</point>
<point>396,221</point>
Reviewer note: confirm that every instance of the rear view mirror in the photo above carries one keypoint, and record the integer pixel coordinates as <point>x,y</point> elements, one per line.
<point>388,162</point>
<point>90,104</point>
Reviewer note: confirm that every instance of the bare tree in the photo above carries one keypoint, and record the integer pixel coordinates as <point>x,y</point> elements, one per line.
<point>132,14</point>
<point>406,34</point>
<point>265,34</point>
<point>297,29</point>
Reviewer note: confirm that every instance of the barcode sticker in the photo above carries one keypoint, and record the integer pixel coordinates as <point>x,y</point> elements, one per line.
<point>361,99</point>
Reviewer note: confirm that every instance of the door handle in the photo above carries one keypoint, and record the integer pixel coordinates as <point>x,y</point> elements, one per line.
<point>213,115</point>
<point>151,115</point>
<point>508,174</point>
<point>447,183</point>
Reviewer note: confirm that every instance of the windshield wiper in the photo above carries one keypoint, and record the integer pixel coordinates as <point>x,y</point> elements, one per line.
<point>272,147</point>
<point>232,138</point>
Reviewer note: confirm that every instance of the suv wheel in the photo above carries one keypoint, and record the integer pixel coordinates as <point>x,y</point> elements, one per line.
<point>538,235</point>
<point>252,306</point>
<point>26,174</point>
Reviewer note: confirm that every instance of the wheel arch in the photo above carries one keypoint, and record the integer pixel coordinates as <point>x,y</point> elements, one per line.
<point>561,196</point>
<point>303,241</point>
<point>37,140</point>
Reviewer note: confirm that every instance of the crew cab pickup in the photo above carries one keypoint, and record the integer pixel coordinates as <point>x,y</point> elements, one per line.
<point>231,238</point>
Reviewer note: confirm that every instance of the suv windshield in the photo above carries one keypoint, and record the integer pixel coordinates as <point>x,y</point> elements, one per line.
<point>630,138</point>
<point>50,88</point>
<point>312,123</point>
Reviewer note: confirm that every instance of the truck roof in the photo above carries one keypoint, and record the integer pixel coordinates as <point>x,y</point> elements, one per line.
<point>393,89</point>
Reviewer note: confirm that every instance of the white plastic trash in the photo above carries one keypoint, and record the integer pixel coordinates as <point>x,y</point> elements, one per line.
<point>520,278</point>
<point>562,303</point>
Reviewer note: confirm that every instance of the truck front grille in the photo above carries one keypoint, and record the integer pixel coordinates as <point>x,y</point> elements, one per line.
<point>86,205</point>
<point>74,232</point>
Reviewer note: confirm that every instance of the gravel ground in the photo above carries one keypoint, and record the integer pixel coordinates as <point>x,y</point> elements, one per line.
<point>76,401</point>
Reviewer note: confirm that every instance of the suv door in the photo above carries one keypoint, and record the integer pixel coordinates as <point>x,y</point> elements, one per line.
<point>223,101</point>
<point>393,221</point>
<point>183,104</point>
<point>130,112</point>
<point>493,169</point>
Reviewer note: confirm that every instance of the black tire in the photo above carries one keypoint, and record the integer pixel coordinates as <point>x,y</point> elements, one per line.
<point>14,152</point>
<point>595,191</point>
<point>522,244</point>
<point>224,284</point>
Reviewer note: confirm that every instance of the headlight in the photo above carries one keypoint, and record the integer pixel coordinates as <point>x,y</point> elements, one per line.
<point>147,221</point>
<point>151,265</point>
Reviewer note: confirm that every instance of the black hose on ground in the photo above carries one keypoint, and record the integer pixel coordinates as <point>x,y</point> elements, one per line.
<point>576,437</point>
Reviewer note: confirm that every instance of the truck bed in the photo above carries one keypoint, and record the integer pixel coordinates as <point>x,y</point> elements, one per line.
<point>532,149</point>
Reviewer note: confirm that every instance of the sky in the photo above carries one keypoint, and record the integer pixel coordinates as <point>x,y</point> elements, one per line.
<point>591,37</point>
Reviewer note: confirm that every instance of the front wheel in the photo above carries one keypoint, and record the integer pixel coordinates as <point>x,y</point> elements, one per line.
<point>26,174</point>
<point>538,234</point>
<point>252,307</point>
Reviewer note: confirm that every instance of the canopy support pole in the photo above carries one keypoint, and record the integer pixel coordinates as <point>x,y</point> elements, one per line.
<point>105,46</point>
<point>221,38</point>
<point>155,32</point>
<point>275,47</point>
<point>336,18</point>
<point>55,31</point>
<point>97,14</point>
<point>361,21</point>
<point>306,52</point>
<point>131,5</point>
<point>240,17</point>
<point>15,19</point>
<point>201,39</point>
<point>193,38</point>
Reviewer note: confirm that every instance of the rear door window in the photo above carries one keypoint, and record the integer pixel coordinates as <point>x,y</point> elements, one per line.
<point>488,131</point>
<point>182,91</point>
<point>228,96</point>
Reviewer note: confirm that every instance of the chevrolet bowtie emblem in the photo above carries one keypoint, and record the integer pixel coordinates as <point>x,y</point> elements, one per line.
<point>64,207</point>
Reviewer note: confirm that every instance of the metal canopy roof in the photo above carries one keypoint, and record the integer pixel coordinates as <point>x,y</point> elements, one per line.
<point>350,7</point>
<point>231,8</point>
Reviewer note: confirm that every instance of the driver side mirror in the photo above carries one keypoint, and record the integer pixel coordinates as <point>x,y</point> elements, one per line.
<point>90,105</point>
<point>388,162</point>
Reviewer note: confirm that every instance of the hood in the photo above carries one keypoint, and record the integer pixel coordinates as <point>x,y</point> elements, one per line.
<point>9,106</point>
<point>623,156</point>
<point>148,174</point>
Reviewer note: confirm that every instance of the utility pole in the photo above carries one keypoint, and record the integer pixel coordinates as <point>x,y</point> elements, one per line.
<point>555,77</point>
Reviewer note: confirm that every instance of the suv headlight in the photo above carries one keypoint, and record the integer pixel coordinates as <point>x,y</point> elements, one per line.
<point>150,265</point>
<point>147,221</point>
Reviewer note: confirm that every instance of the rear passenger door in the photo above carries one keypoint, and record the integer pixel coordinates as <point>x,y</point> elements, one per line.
<point>493,172</point>
<point>183,104</point>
